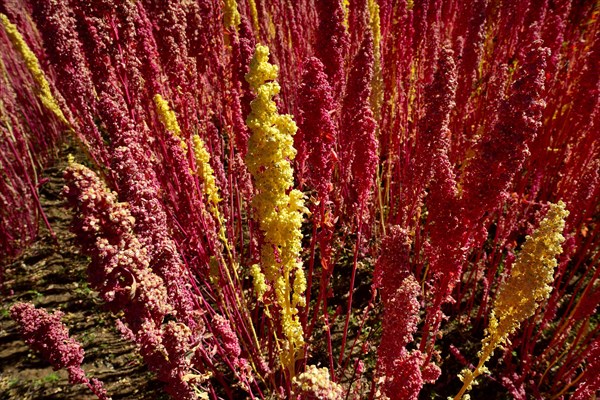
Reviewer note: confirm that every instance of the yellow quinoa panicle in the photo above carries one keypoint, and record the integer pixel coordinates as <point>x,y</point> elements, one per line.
<point>33,65</point>
<point>530,279</point>
<point>167,116</point>
<point>278,208</point>
<point>528,284</point>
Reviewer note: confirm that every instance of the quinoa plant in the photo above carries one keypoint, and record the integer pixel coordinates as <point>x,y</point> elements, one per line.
<point>321,198</point>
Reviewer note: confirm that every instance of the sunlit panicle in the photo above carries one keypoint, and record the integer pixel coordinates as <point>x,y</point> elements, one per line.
<point>46,334</point>
<point>33,65</point>
<point>315,383</point>
<point>530,279</point>
<point>377,80</point>
<point>205,171</point>
<point>231,15</point>
<point>201,154</point>
<point>258,279</point>
<point>254,14</point>
<point>278,209</point>
<point>167,116</point>
<point>528,284</point>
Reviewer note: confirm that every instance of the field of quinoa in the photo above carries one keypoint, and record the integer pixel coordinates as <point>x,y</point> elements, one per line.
<point>299,199</point>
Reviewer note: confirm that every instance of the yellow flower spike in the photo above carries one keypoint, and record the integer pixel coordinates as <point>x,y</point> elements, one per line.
<point>377,81</point>
<point>299,287</point>
<point>258,279</point>
<point>205,171</point>
<point>213,272</point>
<point>375,24</point>
<point>261,72</point>
<point>168,118</point>
<point>528,284</point>
<point>33,65</point>
<point>530,278</point>
<point>346,8</point>
<point>278,208</point>
<point>254,14</point>
<point>231,15</point>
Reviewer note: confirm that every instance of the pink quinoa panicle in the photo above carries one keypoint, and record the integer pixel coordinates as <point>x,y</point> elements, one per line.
<point>332,42</point>
<point>317,133</point>
<point>501,153</point>
<point>46,334</point>
<point>358,144</point>
<point>121,271</point>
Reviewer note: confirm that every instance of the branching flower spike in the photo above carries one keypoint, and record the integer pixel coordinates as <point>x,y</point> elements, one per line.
<point>278,209</point>
<point>527,285</point>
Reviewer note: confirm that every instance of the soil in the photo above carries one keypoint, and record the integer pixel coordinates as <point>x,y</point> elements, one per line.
<point>51,273</point>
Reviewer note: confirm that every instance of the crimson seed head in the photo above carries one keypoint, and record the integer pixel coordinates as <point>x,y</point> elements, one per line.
<point>317,132</point>
<point>45,333</point>
<point>501,152</point>
<point>332,42</point>
<point>223,330</point>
